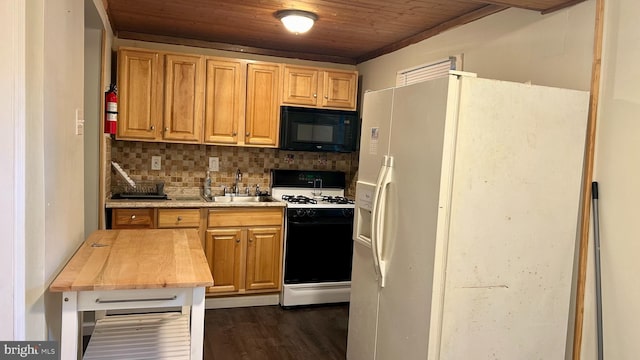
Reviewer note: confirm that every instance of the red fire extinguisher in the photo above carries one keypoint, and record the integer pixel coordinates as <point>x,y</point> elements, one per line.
<point>111,110</point>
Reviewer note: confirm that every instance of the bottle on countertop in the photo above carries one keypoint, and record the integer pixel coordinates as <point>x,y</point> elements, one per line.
<point>207,184</point>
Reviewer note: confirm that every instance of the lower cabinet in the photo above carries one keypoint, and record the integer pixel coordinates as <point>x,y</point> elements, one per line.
<point>244,249</point>
<point>151,218</point>
<point>139,218</point>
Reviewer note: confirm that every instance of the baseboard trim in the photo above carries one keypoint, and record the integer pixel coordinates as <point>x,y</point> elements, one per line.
<point>241,301</point>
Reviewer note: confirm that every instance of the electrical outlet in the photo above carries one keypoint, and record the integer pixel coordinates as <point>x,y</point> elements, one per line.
<point>156,163</point>
<point>214,164</point>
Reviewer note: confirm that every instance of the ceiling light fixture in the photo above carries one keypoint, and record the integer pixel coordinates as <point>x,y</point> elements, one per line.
<point>296,21</point>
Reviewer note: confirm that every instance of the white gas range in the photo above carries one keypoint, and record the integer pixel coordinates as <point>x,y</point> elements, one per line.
<point>318,236</point>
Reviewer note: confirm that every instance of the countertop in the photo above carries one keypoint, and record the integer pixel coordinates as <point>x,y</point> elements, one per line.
<point>136,259</point>
<point>182,201</point>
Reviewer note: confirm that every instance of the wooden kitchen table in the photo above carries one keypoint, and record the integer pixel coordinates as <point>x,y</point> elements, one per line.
<point>136,269</point>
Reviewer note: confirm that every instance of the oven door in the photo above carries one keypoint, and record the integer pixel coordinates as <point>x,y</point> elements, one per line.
<point>318,246</point>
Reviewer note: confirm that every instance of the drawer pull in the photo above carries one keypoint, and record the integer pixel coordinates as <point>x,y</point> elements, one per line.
<point>99,301</point>
<point>179,218</point>
<point>133,217</point>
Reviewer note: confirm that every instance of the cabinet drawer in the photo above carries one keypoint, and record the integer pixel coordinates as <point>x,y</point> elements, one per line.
<point>178,218</point>
<point>244,217</point>
<point>132,219</point>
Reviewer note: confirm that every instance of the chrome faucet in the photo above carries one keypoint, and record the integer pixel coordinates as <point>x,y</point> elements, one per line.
<point>236,189</point>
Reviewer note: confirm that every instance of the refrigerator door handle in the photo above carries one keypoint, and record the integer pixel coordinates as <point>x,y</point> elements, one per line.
<point>375,213</point>
<point>386,181</point>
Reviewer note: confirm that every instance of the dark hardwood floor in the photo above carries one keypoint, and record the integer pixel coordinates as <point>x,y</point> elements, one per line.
<point>270,332</point>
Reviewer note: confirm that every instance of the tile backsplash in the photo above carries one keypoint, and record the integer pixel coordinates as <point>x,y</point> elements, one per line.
<point>185,165</point>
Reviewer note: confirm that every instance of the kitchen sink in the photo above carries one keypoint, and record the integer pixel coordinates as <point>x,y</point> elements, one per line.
<point>240,199</point>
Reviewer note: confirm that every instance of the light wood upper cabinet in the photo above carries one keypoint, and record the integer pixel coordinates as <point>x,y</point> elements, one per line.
<point>184,97</point>
<point>140,95</point>
<point>339,89</point>
<point>187,98</point>
<point>263,104</point>
<point>316,87</point>
<point>224,101</point>
<point>300,86</point>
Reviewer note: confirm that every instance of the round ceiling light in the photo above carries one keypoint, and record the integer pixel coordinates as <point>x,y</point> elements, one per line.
<point>296,21</point>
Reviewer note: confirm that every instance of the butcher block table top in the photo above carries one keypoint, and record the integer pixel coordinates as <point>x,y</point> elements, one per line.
<point>136,259</point>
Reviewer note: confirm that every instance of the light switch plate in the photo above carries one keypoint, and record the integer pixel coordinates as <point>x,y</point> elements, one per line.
<point>79,122</point>
<point>214,163</point>
<point>156,163</point>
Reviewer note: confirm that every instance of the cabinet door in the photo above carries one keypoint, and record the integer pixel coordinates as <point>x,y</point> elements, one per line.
<point>139,87</point>
<point>262,113</point>
<point>300,86</point>
<point>223,249</point>
<point>263,258</point>
<point>224,105</point>
<point>184,92</point>
<point>340,89</point>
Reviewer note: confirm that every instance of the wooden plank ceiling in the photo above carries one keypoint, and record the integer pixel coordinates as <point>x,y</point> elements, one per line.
<point>347,31</point>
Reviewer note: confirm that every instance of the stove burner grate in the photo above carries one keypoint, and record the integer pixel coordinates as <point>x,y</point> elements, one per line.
<point>299,199</point>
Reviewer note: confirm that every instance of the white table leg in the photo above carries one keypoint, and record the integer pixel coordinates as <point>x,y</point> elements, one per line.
<point>69,334</point>
<point>197,324</point>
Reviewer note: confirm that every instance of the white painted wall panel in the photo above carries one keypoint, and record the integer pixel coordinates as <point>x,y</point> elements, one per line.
<point>617,170</point>
<point>12,148</point>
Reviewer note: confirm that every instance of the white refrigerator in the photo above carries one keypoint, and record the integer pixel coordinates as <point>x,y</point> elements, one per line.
<point>467,205</point>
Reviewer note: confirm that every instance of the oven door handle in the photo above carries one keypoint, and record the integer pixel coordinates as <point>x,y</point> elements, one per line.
<point>345,221</point>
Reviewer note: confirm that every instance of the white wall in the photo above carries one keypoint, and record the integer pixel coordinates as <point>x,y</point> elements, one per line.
<point>54,160</point>
<point>617,170</point>
<point>514,45</point>
<point>92,98</point>
<point>12,148</point>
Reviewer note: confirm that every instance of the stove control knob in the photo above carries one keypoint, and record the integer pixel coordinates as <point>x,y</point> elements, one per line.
<point>311,213</point>
<point>347,212</point>
<point>299,213</point>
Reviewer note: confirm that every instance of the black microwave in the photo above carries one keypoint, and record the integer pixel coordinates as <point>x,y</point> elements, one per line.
<point>308,129</point>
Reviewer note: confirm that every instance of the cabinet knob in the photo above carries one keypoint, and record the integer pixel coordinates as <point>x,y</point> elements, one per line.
<point>326,97</point>
<point>238,240</point>
<point>153,127</point>
<point>315,95</point>
<point>234,133</point>
<point>179,218</point>
<point>166,129</point>
<point>247,134</point>
<point>133,217</point>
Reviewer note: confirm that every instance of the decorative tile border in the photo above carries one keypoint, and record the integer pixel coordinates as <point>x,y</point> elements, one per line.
<point>184,165</point>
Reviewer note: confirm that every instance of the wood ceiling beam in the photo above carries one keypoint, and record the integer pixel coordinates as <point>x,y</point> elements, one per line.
<point>561,6</point>
<point>508,3</point>
<point>461,20</point>
<point>235,48</point>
